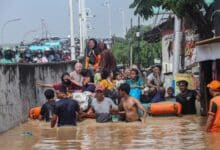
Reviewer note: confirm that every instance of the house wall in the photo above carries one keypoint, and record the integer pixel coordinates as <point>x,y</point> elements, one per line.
<point>18,92</point>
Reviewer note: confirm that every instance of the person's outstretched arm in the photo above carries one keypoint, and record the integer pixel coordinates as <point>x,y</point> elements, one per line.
<point>75,82</point>
<point>121,110</point>
<point>143,118</point>
<point>44,85</point>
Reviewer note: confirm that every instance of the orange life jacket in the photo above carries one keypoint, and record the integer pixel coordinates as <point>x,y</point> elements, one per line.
<point>97,62</point>
<point>216,124</point>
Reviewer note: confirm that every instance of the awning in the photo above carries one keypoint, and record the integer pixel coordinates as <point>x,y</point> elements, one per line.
<point>208,49</point>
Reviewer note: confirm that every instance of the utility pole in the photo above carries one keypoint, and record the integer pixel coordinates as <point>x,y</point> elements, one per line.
<point>84,21</point>
<point>131,49</point>
<point>178,36</point>
<point>138,38</point>
<point>123,21</point>
<point>110,19</point>
<point>72,40</point>
<point>81,28</point>
<point>42,28</point>
<point>108,5</point>
<point>83,25</point>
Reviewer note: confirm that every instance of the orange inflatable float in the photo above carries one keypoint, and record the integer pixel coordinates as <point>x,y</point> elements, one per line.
<point>165,108</point>
<point>34,113</point>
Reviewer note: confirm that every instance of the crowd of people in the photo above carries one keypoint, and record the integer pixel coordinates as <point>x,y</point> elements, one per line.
<point>94,50</point>
<point>114,92</point>
<point>107,99</point>
<point>39,56</point>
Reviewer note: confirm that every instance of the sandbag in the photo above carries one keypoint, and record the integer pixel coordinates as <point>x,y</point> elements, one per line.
<point>165,108</point>
<point>34,113</point>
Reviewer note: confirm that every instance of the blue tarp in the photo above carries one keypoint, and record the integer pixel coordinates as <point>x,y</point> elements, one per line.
<point>46,45</point>
<point>53,43</point>
<point>38,48</point>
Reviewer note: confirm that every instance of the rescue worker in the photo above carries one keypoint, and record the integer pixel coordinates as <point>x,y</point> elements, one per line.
<point>213,121</point>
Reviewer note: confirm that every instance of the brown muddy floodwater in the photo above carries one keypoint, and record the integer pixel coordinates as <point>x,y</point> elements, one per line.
<point>163,133</point>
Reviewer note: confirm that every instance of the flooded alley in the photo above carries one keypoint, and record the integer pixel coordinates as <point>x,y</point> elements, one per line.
<point>160,133</point>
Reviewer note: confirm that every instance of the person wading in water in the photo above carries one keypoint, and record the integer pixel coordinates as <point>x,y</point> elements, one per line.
<point>66,109</point>
<point>213,121</point>
<point>130,105</point>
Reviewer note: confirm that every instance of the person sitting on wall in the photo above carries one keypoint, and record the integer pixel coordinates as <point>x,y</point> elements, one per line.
<point>93,56</point>
<point>213,121</point>
<point>108,60</point>
<point>8,57</point>
<point>186,98</point>
<point>102,106</point>
<point>127,74</point>
<point>66,109</point>
<point>97,76</point>
<point>156,78</point>
<point>76,74</point>
<point>87,84</point>
<point>136,84</point>
<point>48,108</point>
<point>65,81</point>
<point>118,79</point>
<point>107,80</point>
<point>39,57</point>
<point>156,95</point>
<point>109,84</point>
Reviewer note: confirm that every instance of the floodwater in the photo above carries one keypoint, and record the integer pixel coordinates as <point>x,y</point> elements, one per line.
<point>163,133</point>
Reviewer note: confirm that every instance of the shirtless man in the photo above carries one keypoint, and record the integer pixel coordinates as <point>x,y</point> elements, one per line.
<point>130,105</point>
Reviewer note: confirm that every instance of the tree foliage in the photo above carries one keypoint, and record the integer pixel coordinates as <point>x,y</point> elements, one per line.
<point>196,10</point>
<point>143,52</point>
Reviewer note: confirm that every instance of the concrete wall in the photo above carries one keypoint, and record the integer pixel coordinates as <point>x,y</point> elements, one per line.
<point>18,92</point>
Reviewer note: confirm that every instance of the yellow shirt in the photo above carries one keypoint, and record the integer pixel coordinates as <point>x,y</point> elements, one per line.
<point>107,84</point>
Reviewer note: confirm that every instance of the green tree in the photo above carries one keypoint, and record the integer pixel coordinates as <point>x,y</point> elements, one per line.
<point>120,49</point>
<point>143,52</point>
<point>198,11</point>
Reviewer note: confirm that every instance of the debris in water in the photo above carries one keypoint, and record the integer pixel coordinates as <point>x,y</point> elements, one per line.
<point>27,133</point>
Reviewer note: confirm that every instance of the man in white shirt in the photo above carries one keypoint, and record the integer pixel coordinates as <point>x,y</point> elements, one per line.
<point>76,74</point>
<point>156,78</point>
<point>102,106</point>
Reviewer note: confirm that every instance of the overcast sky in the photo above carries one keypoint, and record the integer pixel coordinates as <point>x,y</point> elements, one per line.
<point>56,16</point>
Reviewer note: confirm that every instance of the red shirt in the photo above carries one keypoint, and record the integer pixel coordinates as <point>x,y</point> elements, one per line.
<point>72,87</point>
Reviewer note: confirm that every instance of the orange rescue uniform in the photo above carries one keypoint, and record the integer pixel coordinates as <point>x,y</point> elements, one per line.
<point>216,123</point>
